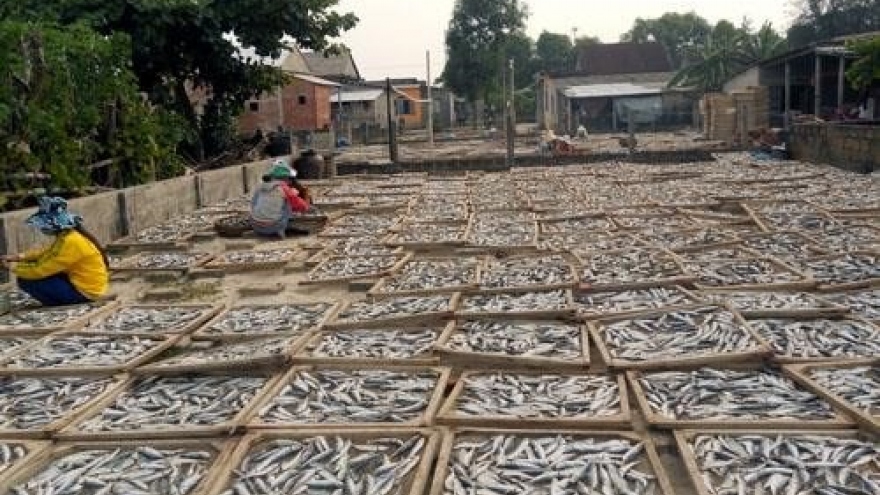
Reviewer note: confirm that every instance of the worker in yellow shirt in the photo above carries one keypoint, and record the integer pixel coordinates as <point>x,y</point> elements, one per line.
<point>72,270</point>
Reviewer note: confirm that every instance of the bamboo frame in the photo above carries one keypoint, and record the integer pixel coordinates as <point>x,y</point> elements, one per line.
<point>401,260</point>
<point>568,312</point>
<point>129,266</point>
<point>219,262</point>
<point>77,323</point>
<point>72,431</point>
<point>426,418</point>
<point>840,421</point>
<point>377,292</point>
<point>185,328</point>
<point>757,353</point>
<point>257,362</point>
<point>397,319</point>
<point>449,416</point>
<point>304,355</point>
<point>650,457</point>
<point>203,332</point>
<point>694,298</point>
<point>823,307</point>
<point>415,485</point>
<point>800,373</point>
<point>780,359</point>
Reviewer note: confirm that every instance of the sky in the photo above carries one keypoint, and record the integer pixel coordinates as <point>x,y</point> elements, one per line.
<point>393,36</point>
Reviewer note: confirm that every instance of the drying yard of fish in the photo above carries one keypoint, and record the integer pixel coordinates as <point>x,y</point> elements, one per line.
<point>605,329</point>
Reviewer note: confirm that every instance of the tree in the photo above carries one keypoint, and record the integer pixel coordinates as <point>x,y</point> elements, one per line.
<point>865,71</point>
<point>68,100</point>
<point>725,52</point>
<point>185,44</point>
<point>819,20</point>
<point>554,52</point>
<point>676,32</point>
<point>477,41</point>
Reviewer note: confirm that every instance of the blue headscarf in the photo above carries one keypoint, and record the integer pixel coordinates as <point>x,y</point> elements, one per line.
<point>52,216</point>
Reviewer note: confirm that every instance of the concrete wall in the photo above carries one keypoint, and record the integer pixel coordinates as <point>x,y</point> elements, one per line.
<point>851,147</point>
<point>113,215</point>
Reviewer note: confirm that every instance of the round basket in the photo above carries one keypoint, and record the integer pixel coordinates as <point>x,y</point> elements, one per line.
<point>234,226</point>
<point>309,223</point>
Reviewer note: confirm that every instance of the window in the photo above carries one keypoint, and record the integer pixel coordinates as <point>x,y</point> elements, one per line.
<point>254,106</point>
<point>301,99</point>
<point>404,107</point>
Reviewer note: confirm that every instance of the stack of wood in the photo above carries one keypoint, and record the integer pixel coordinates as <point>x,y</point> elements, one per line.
<point>730,117</point>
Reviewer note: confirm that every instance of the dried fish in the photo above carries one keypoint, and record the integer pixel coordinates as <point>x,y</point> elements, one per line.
<point>592,304</point>
<point>721,273</point>
<point>175,401</point>
<point>131,470</point>
<point>488,234</point>
<point>270,318</point>
<point>819,338</point>
<point>684,239</point>
<point>256,256</point>
<point>365,311</point>
<point>579,224</point>
<point>11,453</point>
<point>358,246</point>
<point>684,333</point>
<point>206,353</point>
<point>30,403</point>
<point>513,273</point>
<point>852,267</point>
<point>11,345</point>
<point>719,394</point>
<point>654,223</point>
<point>383,343</point>
<point>351,396</point>
<point>635,266</point>
<point>796,220</point>
<point>46,318</point>
<point>80,350</point>
<point>163,261</point>
<point>851,238</point>
<point>429,233</point>
<point>864,303</point>
<point>539,396</point>
<point>781,244</point>
<point>13,299</point>
<point>859,386</point>
<point>762,301</point>
<point>517,302</point>
<point>432,275</point>
<point>150,320</point>
<point>786,464</point>
<point>353,267</point>
<point>328,465</point>
<point>549,340</point>
<point>552,464</point>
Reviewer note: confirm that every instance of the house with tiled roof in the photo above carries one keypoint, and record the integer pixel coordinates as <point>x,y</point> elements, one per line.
<point>610,84</point>
<point>339,67</point>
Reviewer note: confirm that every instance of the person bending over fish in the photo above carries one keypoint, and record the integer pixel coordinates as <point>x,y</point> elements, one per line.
<point>73,269</point>
<point>275,202</point>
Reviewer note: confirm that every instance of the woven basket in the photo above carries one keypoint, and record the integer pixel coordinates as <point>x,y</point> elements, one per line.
<point>234,226</point>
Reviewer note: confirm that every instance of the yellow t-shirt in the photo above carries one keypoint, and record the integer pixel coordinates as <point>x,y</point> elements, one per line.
<point>71,253</point>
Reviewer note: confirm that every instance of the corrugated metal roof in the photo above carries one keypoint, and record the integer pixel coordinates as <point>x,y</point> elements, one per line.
<point>315,80</point>
<point>612,90</point>
<point>358,95</point>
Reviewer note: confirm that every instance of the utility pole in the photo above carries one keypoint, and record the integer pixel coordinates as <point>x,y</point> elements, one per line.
<point>511,118</point>
<point>430,101</point>
<point>392,125</point>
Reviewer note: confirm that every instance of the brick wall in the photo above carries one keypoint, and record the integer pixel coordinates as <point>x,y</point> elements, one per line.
<point>851,147</point>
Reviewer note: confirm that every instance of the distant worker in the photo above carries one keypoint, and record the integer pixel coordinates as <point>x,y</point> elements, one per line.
<point>74,269</point>
<point>275,202</point>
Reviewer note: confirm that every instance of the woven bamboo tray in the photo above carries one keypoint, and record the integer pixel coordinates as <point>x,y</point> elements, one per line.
<point>378,291</point>
<point>48,430</point>
<point>304,354</point>
<point>100,310</point>
<point>822,306</point>
<point>414,485</point>
<point>780,359</point>
<point>682,278</point>
<point>162,344</point>
<point>254,362</point>
<point>649,460</point>
<point>130,265</point>
<point>490,361</point>
<point>20,342</point>
<point>395,319</point>
<point>449,416</point>
<point>570,265</point>
<point>801,374</point>
<point>72,431</point>
<point>220,263</point>
<point>694,298</point>
<point>203,332</point>
<point>222,449</point>
<point>208,312</point>
<point>393,239</point>
<point>131,242</point>
<point>426,418</point>
<point>568,312</point>
<point>872,315</point>
<point>804,282</point>
<point>840,421</point>
<point>683,438</point>
<point>310,280</point>
<point>837,286</point>
<point>755,354</point>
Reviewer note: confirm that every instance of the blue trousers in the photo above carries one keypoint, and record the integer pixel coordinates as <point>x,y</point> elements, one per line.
<point>56,290</point>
